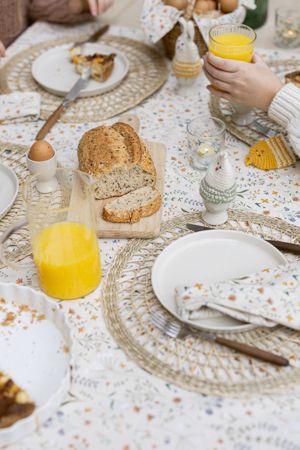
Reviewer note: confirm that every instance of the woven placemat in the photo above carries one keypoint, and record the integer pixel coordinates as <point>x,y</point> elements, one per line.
<point>250,134</point>
<point>147,73</point>
<point>193,363</point>
<point>18,246</point>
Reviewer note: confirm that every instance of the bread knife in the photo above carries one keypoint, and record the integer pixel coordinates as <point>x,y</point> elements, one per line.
<point>280,245</point>
<point>80,84</point>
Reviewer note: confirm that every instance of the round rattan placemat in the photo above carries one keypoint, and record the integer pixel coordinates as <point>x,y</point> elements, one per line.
<point>193,363</point>
<point>18,245</point>
<point>147,73</point>
<point>250,134</point>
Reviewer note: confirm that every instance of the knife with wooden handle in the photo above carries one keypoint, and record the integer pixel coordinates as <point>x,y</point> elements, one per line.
<point>280,245</point>
<point>80,84</point>
<point>246,349</point>
<point>73,94</point>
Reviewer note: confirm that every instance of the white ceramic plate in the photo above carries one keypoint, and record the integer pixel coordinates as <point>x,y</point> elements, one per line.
<point>9,188</point>
<point>35,350</point>
<point>210,256</point>
<point>54,71</point>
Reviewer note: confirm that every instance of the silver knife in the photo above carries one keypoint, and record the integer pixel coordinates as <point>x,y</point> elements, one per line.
<point>80,84</point>
<point>93,38</point>
<point>280,245</point>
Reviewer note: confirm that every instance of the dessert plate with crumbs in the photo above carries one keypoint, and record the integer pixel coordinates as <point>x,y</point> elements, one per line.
<point>35,360</point>
<point>56,73</point>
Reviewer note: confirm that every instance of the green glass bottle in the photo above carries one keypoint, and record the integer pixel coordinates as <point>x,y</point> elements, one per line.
<point>258,16</point>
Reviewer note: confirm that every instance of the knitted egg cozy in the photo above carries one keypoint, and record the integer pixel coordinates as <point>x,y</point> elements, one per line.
<point>217,196</point>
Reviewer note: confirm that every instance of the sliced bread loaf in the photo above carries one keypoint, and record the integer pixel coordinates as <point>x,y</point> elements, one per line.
<point>132,207</point>
<point>117,158</point>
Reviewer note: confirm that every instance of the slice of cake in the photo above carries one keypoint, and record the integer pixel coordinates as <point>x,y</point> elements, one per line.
<point>15,403</point>
<point>101,65</point>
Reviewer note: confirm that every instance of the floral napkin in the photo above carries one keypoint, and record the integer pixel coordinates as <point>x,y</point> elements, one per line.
<point>266,298</point>
<point>19,107</point>
<point>158,19</point>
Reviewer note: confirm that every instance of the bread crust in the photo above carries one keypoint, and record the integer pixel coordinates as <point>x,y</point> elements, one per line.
<point>104,149</point>
<point>134,214</point>
<point>132,140</point>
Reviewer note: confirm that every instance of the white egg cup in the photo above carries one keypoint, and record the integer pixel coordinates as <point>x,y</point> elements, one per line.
<point>45,170</point>
<point>215,214</point>
<point>242,115</point>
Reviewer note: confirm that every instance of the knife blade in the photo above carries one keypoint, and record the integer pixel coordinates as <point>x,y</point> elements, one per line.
<point>80,84</point>
<point>280,245</point>
<point>93,38</point>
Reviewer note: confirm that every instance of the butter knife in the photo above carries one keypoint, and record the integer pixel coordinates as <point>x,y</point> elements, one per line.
<point>93,38</point>
<point>80,84</point>
<point>280,245</point>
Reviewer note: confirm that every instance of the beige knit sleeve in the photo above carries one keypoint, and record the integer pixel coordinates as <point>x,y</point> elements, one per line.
<point>55,11</point>
<point>285,110</point>
<point>12,20</point>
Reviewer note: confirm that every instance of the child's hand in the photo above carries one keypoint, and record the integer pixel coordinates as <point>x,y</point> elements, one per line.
<point>253,84</point>
<point>2,49</point>
<point>98,7</point>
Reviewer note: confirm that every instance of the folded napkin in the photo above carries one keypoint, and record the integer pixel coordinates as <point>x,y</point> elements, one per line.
<point>19,107</point>
<point>266,298</point>
<point>157,19</point>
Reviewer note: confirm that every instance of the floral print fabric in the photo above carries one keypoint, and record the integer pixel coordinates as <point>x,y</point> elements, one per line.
<point>266,298</point>
<point>19,107</point>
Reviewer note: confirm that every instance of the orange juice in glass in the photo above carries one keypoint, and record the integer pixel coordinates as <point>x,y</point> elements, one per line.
<point>62,231</point>
<point>232,41</point>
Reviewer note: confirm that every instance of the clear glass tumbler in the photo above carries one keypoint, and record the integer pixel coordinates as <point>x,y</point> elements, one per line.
<point>206,137</point>
<point>234,41</point>
<point>63,237</point>
<point>287,26</point>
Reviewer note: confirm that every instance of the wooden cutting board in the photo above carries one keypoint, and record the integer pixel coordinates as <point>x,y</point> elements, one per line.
<point>148,227</point>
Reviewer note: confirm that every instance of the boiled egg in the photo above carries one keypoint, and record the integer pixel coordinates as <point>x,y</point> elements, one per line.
<point>227,6</point>
<point>179,4</point>
<point>41,151</point>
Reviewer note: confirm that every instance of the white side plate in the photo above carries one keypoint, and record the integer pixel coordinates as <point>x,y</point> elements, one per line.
<point>35,351</point>
<point>9,188</point>
<point>54,71</point>
<point>210,256</point>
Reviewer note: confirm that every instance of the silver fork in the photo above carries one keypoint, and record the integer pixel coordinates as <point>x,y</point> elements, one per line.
<point>177,330</point>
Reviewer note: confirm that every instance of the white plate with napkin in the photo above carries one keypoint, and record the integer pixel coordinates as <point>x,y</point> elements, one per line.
<point>210,257</point>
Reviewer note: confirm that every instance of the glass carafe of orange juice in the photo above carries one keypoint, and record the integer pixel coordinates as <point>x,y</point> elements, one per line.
<point>234,41</point>
<point>62,230</point>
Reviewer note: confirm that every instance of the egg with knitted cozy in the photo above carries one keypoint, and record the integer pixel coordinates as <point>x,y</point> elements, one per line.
<point>218,189</point>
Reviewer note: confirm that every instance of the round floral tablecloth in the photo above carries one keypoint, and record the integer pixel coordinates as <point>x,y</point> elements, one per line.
<point>113,404</point>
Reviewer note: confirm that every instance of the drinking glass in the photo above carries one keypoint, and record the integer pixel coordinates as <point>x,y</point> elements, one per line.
<point>287,26</point>
<point>234,41</point>
<point>206,137</point>
<point>62,233</point>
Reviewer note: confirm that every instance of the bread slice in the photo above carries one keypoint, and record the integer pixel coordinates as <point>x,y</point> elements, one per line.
<point>117,158</point>
<point>132,207</point>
